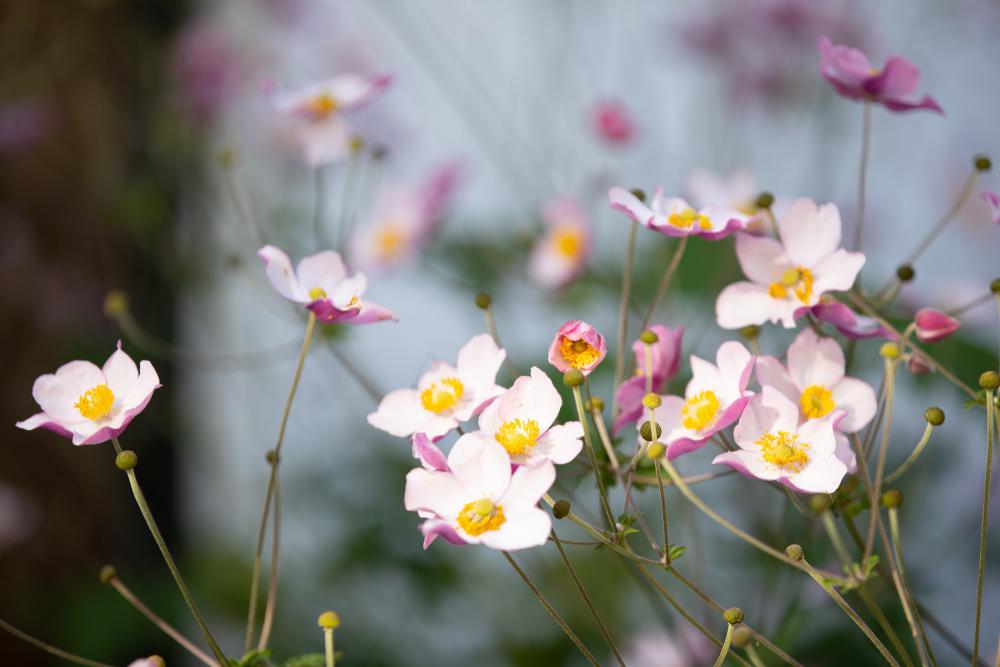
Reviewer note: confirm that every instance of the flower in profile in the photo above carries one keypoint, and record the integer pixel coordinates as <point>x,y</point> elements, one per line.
<point>91,404</point>
<point>577,345</point>
<point>672,216</point>
<point>852,74</point>
<point>403,220</point>
<point>933,325</point>
<point>320,282</point>
<point>559,256</point>
<point>151,661</point>
<point>714,398</point>
<point>992,200</point>
<point>665,356</point>
<point>788,277</point>
<point>737,191</point>
<point>774,447</point>
<point>446,395</point>
<point>523,419</point>
<point>849,322</point>
<point>612,123</point>
<point>313,120</point>
<point>478,500</point>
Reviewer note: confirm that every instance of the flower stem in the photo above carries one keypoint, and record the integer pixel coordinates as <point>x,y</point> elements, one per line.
<point>668,275</point>
<point>924,439</point>
<point>49,648</point>
<point>866,130</point>
<point>623,312</point>
<point>602,432</point>
<point>491,329</point>
<point>272,577</point>
<point>242,210</point>
<point>883,452</point>
<point>331,657</point>
<point>320,194</point>
<point>726,643</point>
<point>990,407</point>
<point>897,548</point>
<point>589,446</point>
<point>963,196</point>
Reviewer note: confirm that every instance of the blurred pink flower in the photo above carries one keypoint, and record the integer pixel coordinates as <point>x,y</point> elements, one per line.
<point>993,201</point>
<point>560,255</point>
<point>612,123</point>
<point>206,68</point>
<point>666,356</point>
<point>933,325</point>
<point>577,345</point>
<point>672,216</point>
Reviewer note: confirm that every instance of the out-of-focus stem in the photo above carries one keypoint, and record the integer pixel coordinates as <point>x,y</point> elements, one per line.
<point>623,313</point>
<point>963,196</point>
<point>589,445</point>
<point>924,439</point>
<point>866,130</point>
<point>990,407</point>
<point>668,275</point>
<point>726,643</point>
<point>272,577</point>
<point>897,548</point>
<point>49,648</point>
<point>876,486</point>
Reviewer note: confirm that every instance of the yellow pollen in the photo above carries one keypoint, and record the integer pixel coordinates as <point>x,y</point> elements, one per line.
<point>518,436</point>
<point>688,217</point>
<point>317,293</point>
<point>322,106</point>
<point>388,242</point>
<point>442,395</point>
<point>700,411</point>
<point>798,280</point>
<point>96,403</point>
<point>777,291</point>
<point>784,450</point>
<point>816,401</point>
<point>790,277</point>
<point>568,242</point>
<point>481,516</point>
<point>578,353</point>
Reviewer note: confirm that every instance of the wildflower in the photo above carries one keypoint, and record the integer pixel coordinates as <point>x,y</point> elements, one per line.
<point>788,277</point>
<point>321,283</point>
<point>446,395</point>
<point>852,74</point>
<point>992,199</point>
<point>559,256</point>
<point>774,447</point>
<point>672,216</point>
<point>523,421</point>
<point>479,500</point>
<point>933,325</point>
<point>577,345</point>
<point>714,398</point>
<point>665,356</point>
<point>91,405</point>
<point>612,122</point>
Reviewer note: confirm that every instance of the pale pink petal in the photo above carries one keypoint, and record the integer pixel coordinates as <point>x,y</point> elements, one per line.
<point>428,453</point>
<point>845,452</point>
<point>521,531</point>
<point>772,373</point>
<point>756,420</point>
<point>858,399</point>
<point>735,365</point>
<point>761,258</point>
<point>435,528</point>
<point>438,492</point>
<point>57,395</point>
<point>279,271</point>
<point>322,270</point>
<point>120,372</point>
<point>819,476</point>
<point>42,420</point>
<point>626,202</point>
<point>745,303</point>
<point>815,361</point>
<point>400,413</point>
<point>81,375</point>
<point>479,360</point>
<point>560,444</point>
<point>809,233</point>
<point>838,271</point>
<point>481,464</point>
<point>527,486</point>
<point>748,463</point>
<point>819,434</point>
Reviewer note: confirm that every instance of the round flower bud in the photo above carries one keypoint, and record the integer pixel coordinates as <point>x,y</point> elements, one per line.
<point>794,552</point>
<point>651,400</point>
<point>820,502</point>
<point>648,337</point>
<point>357,143</point>
<point>328,620</point>
<point>127,460</point>
<point>989,380</point>
<point>107,573</point>
<point>483,300</point>
<point>934,416</point>
<point>733,615</point>
<point>573,377</point>
<point>271,457</point>
<point>889,350</point>
<point>995,285</point>
<point>905,273</point>
<point>982,163</point>
<point>764,200</point>
<point>741,636</point>
<point>647,433</point>
<point>655,450</point>
<point>638,194</point>
<point>891,499</point>
<point>750,331</point>
<point>561,509</point>
<point>594,404</point>
<point>115,304</point>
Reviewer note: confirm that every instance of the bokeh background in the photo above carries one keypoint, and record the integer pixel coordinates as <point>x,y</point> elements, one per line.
<point>133,134</point>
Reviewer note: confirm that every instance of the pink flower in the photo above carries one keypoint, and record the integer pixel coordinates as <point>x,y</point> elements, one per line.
<point>933,325</point>
<point>523,419</point>
<point>851,73</point>
<point>404,220</point>
<point>430,455</point>
<point>446,395</point>
<point>313,117</point>
<point>848,322</point>
<point>672,216</point>
<point>320,282</point>
<point>577,345</point>
<point>559,256</point>
<point>612,122</point>
<point>151,661</point>
<point>91,405</point>
<point>737,191</point>
<point>479,501</point>
<point>774,447</point>
<point>788,277</point>
<point>666,356</point>
<point>714,398</point>
<point>992,199</point>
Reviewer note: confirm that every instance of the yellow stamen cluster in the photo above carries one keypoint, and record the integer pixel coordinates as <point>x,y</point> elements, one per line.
<point>700,411</point>
<point>518,436</point>
<point>688,217</point>
<point>568,242</point>
<point>784,450</point>
<point>442,395</point>
<point>322,106</point>
<point>481,516</point>
<point>95,403</point>
<point>816,402</point>
<point>578,353</point>
<point>797,281</point>
<point>388,242</point>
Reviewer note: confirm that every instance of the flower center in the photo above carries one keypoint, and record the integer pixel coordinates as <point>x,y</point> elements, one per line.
<point>568,242</point>
<point>578,353</point>
<point>816,401</point>
<point>700,411</point>
<point>797,281</point>
<point>518,436</point>
<point>442,395</point>
<point>317,293</point>
<point>784,450</point>
<point>96,403</point>
<point>322,106</point>
<point>688,217</point>
<point>481,516</point>
<point>388,242</point>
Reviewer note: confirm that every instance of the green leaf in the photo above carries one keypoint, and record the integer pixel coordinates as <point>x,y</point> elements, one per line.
<point>307,660</point>
<point>255,658</point>
<point>676,551</point>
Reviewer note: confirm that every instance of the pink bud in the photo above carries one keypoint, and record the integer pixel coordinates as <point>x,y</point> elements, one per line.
<point>577,345</point>
<point>612,122</point>
<point>934,325</point>
<point>919,365</point>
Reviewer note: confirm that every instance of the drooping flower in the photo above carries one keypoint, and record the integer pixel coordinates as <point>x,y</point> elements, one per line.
<point>577,345</point>
<point>849,322</point>
<point>446,395</point>
<point>523,419</point>
<point>320,282</point>
<point>852,74</point>
<point>992,199</point>
<point>714,398</point>
<point>559,256</point>
<point>665,357</point>
<point>313,117</point>
<point>933,325</point>
<point>774,447</point>
<point>612,122</point>
<point>672,216</point>
<point>403,220</point>
<point>89,404</point>
<point>788,277</point>
<point>478,500</point>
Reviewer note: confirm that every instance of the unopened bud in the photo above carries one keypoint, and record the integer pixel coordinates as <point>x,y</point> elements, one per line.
<point>733,615</point>
<point>764,200</point>
<point>989,380</point>
<point>889,350</point>
<point>594,404</point>
<point>647,433</point>
<point>126,460</point>
<point>982,163</point>
<point>573,377</point>
<point>648,337</point>
<point>107,573</point>
<point>934,416</point>
<point>652,401</point>
<point>741,636</point>
<point>794,551</point>
<point>918,364</point>
<point>905,273</point>
<point>820,503</point>
<point>115,304</point>
<point>655,450</point>
<point>891,499</point>
<point>638,194</point>
<point>328,620</point>
<point>561,509</point>
<point>483,300</point>
<point>750,331</point>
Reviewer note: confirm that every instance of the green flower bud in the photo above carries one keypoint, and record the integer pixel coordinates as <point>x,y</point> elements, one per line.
<point>573,377</point>
<point>741,636</point>
<point>107,573</point>
<point>764,200</point>
<point>794,551</point>
<point>905,273</point>
<point>934,416</point>
<point>648,337</point>
<point>328,620</point>
<point>647,434</point>
<point>982,163</point>
<point>655,450</point>
<point>357,144</point>
<point>820,502</point>
<point>652,400</point>
<point>889,350</point>
<point>638,194</point>
<point>750,331</point>
<point>483,300</point>
<point>995,285</point>
<point>115,304</point>
<point>271,457</point>
<point>733,615</point>
<point>891,499</point>
<point>989,380</point>
<point>127,460</point>
<point>594,404</point>
<point>561,509</point>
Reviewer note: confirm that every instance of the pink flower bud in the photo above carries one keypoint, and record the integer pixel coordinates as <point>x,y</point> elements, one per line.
<point>934,325</point>
<point>577,345</point>
<point>612,122</point>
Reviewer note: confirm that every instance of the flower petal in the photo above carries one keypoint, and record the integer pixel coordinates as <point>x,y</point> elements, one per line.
<point>481,464</point>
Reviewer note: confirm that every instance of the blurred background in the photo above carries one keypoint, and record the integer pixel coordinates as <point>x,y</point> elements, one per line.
<point>136,155</point>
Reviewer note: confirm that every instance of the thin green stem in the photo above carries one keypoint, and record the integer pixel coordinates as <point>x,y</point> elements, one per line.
<point>911,459</point>
<point>589,445</point>
<point>876,487</point>
<point>726,643</point>
<point>49,648</point>
<point>754,657</point>
<point>668,275</point>
<point>242,210</point>
<point>897,549</point>
<point>884,623</point>
<point>866,130</point>
<point>604,437</point>
<point>272,577</point>
<point>320,203</point>
<point>963,196</point>
<point>990,407</point>
<point>623,311</point>
<point>663,516</point>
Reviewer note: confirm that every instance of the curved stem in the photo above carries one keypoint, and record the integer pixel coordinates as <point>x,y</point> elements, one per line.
<point>668,275</point>
<point>49,648</point>
<point>866,130</point>
<point>726,643</point>
<point>990,407</point>
<point>623,312</point>
<point>883,452</point>
<point>924,439</point>
<point>272,577</point>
